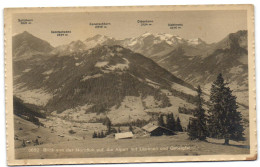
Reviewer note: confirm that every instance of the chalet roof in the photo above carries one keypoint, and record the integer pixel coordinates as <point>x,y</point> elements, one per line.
<point>124,135</point>
<point>150,127</point>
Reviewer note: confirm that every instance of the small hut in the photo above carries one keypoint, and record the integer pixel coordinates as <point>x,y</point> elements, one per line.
<point>155,130</point>
<point>125,135</point>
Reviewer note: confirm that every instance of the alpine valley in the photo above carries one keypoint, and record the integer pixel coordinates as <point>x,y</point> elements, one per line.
<point>78,85</point>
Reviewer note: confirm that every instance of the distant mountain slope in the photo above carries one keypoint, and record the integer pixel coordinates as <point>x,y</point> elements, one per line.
<point>99,40</point>
<point>191,60</point>
<point>26,45</point>
<point>101,77</point>
<point>197,62</point>
<point>229,57</point>
<point>74,46</point>
<point>148,44</point>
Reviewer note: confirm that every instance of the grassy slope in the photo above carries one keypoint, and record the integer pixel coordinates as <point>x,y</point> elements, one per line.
<point>52,140</point>
<point>122,148</point>
<point>30,132</point>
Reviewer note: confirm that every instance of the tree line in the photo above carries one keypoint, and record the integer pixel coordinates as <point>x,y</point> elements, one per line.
<point>222,119</point>
<point>110,130</point>
<point>27,111</point>
<point>170,123</point>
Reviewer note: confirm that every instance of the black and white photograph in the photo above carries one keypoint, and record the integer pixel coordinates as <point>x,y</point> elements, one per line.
<point>119,83</point>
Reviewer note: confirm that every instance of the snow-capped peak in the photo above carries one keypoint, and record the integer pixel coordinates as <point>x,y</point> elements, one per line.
<point>195,41</point>
<point>146,34</point>
<point>157,38</point>
<point>164,35</point>
<point>170,39</point>
<point>98,38</point>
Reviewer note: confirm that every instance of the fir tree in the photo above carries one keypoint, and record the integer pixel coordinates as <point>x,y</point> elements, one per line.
<point>167,121</point>
<point>161,121</point>
<point>37,141</point>
<point>172,127</point>
<point>224,119</point>
<point>94,135</point>
<point>197,128</point>
<point>178,125</point>
<point>188,127</point>
<point>200,114</point>
<point>130,128</point>
<point>108,124</point>
<point>170,122</point>
<point>192,129</point>
<point>98,135</point>
<point>102,134</point>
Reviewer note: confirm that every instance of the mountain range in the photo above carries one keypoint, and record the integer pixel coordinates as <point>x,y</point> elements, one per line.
<point>171,52</point>
<point>102,72</point>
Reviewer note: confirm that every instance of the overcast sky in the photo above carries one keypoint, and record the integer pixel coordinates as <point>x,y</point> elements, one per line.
<point>210,26</point>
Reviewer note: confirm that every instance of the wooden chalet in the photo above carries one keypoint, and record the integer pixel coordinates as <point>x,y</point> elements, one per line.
<point>155,130</point>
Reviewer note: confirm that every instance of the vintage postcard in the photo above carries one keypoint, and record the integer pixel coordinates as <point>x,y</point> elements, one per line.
<point>130,84</point>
